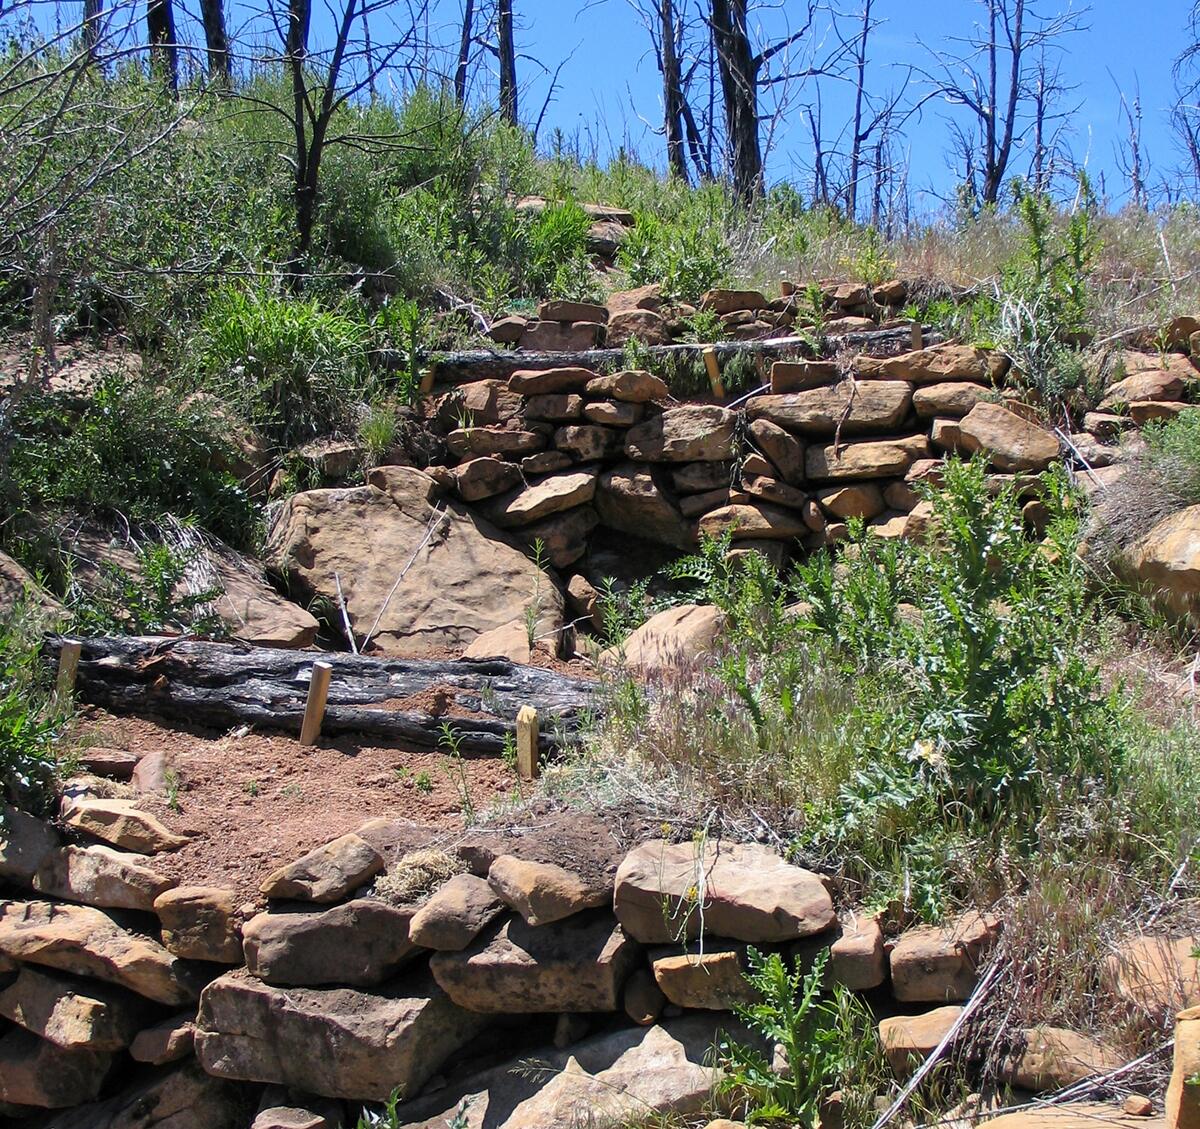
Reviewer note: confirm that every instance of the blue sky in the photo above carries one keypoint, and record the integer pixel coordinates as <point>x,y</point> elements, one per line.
<point>610,82</point>
<point>608,89</point>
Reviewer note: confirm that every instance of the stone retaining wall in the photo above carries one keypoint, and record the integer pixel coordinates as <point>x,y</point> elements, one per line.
<point>145,1003</point>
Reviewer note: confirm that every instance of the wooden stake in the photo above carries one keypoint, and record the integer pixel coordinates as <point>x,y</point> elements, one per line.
<point>918,336</point>
<point>714,372</point>
<point>314,708</point>
<point>68,668</point>
<point>786,288</point>
<point>427,381</point>
<point>527,743</point>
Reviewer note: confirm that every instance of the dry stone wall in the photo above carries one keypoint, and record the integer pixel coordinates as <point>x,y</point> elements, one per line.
<point>194,1011</point>
<point>552,454</point>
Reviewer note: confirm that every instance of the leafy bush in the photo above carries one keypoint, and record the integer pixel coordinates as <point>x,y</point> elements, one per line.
<point>133,448</point>
<point>291,367</point>
<point>30,720</point>
<point>827,1045</point>
<point>556,249</point>
<point>687,258</point>
<point>1173,447</point>
<point>147,598</point>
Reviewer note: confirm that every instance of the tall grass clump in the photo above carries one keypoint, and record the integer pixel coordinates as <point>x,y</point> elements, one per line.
<point>290,366</point>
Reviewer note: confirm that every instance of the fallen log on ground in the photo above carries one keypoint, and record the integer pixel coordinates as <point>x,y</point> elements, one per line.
<point>481,364</point>
<point>220,685</point>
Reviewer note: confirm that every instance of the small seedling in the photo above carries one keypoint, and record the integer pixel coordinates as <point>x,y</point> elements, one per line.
<point>251,788</point>
<point>423,782</point>
<point>171,778</point>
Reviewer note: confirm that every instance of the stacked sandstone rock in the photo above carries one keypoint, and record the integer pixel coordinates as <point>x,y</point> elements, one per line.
<point>551,454</point>
<point>744,315</point>
<point>340,989</point>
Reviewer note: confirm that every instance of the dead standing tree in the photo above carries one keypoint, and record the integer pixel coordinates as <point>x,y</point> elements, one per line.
<point>992,80</point>
<point>324,83</point>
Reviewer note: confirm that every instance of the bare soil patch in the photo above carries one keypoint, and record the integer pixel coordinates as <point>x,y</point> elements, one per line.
<point>251,802</point>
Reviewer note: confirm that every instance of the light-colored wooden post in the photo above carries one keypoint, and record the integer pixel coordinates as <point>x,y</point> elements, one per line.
<point>786,288</point>
<point>527,743</point>
<point>427,381</point>
<point>918,336</point>
<point>314,708</point>
<point>68,668</point>
<point>714,372</point>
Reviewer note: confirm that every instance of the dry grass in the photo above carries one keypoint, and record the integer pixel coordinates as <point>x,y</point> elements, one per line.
<point>417,875</point>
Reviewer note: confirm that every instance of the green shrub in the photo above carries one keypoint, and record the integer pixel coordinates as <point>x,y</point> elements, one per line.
<point>687,255</point>
<point>1173,447</point>
<point>556,253</point>
<point>291,367</point>
<point>30,720</point>
<point>133,448</point>
<point>145,599</point>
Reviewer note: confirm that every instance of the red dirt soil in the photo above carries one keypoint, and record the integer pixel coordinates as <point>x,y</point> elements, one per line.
<point>252,802</point>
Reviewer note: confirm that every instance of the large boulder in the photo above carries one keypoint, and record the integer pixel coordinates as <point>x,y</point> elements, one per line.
<point>691,433</point>
<point>1157,974</point>
<point>86,942</point>
<point>336,1042</point>
<point>937,364</point>
<point>621,1075</point>
<point>482,403</point>
<point>630,499</point>
<point>909,1039</point>
<point>360,943</point>
<point>678,635</point>
<point>850,408</point>
<point>1012,442</point>
<point>672,891</point>
<point>647,326</point>
<point>579,964</point>
<point>1052,1058</point>
<point>38,1073</point>
<point>543,892</point>
<point>1166,561</point>
<point>72,1012</point>
<point>463,576</point>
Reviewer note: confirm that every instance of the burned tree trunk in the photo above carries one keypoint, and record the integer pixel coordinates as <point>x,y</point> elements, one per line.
<point>223,684</point>
<point>506,46</point>
<point>216,40</point>
<point>164,52</point>
<point>739,66</point>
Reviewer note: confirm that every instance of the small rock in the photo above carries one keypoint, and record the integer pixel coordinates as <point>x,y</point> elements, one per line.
<point>120,824</point>
<point>557,407</point>
<point>485,477</point>
<point>694,432</point>
<point>796,376</point>
<point>677,636</point>
<point>1137,1105</point>
<point>455,914</point>
<point>612,413</point>
<point>542,892</point>
<point>643,999</point>
<point>100,876</point>
<point>361,943</point>
<point>879,458</point>
<point>169,1040</point>
<point>755,519</point>
<point>729,301</point>
<point>545,462</point>
<point>25,844</point>
<point>954,399</point>
<point>72,1012</point>
<point>327,873</point>
<point>551,495</point>
<point>631,386</point>
<point>1014,443</point>
<point>38,1073</point>
<point>909,1039</point>
<point>117,764</point>
<point>859,500</point>
<point>710,978</point>
<point>647,326</point>
<point>536,382</point>
<point>666,891</point>
<point>939,963</point>
<point>200,923</point>
<point>578,964</point>
<point>784,450</point>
